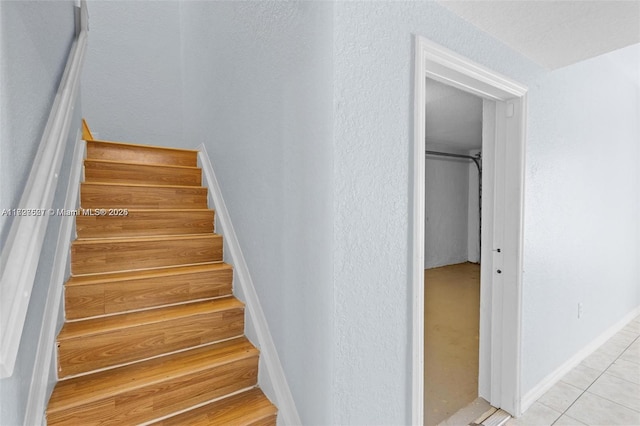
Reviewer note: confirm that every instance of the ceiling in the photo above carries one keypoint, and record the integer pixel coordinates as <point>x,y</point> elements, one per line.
<point>454,118</point>
<point>551,33</point>
<point>555,33</point>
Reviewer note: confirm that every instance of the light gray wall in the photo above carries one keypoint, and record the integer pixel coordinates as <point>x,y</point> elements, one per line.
<point>580,207</point>
<point>446,209</point>
<point>373,145</point>
<point>36,37</point>
<point>258,93</point>
<point>132,75</point>
<point>580,221</point>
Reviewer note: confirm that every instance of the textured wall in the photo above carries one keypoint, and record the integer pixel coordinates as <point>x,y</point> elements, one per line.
<point>579,201</point>
<point>446,211</point>
<point>35,37</point>
<point>373,145</point>
<point>581,212</point>
<point>132,76</point>
<point>258,92</point>
<point>35,41</point>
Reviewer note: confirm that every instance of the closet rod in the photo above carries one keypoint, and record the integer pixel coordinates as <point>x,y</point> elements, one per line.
<point>447,154</point>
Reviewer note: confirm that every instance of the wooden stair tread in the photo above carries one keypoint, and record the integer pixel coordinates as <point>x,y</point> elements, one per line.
<point>143,185</point>
<point>85,389</point>
<point>141,173</point>
<point>82,280</point>
<point>140,336</point>
<point>156,238</point>
<point>141,222</point>
<point>107,255</point>
<point>111,293</point>
<point>241,409</point>
<point>170,210</point>
<point>92,326</point>
<point>136,145</point>
<point>122,151</point>
<point>141,196</point>
<point>134,163</point>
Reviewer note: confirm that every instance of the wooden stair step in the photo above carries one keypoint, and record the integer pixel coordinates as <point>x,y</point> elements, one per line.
<point>113,171</point>
<point>93,295</point>
<point>101,342</point>
<point>142,222</point>
<point>95,195</point>
<point>123,254</point>
<point>154,388</point>
<point>248,408</point>
<point>121,151</point>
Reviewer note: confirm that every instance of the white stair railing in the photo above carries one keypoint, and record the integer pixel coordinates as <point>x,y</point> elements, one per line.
<point>21,253</point>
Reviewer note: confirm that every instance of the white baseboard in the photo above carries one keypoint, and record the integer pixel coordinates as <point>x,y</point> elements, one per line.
<point>36,399</point>
<point>547,383</point>
<point>287,411</point>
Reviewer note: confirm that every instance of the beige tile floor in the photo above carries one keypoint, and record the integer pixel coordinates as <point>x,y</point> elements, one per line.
<point>604,390</point>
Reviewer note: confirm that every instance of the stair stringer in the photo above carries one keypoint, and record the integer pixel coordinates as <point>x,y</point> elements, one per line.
<point>271,377</point>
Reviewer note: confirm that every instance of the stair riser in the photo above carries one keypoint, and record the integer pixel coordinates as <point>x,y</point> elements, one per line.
<point>247,408</point>
<point>120,296</point>
<point>207,421</point>
<point>146,223</point>
<point>96,171</point>
<point>267,421</point>
<point>140,154</point>
<point>108,256</point>
<point>153,401</point>
<point>100,196</point>
<point>87,353</point>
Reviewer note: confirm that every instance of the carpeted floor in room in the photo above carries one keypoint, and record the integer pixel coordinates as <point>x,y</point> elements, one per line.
<point>452,314</point>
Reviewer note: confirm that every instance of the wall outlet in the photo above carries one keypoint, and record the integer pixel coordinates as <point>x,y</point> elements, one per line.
<point>580,310</point>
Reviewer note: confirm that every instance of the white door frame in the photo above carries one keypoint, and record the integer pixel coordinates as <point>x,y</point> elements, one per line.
<point>501,324</point>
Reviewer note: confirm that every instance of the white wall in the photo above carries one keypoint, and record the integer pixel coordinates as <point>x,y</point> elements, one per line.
<point>446,209</point>
<point>581,210</point>
<point>258,92</point>
<point>132,77</point>
<point>35,38</point>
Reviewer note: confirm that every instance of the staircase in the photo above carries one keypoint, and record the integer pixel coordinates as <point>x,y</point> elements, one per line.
<point>153,334</point>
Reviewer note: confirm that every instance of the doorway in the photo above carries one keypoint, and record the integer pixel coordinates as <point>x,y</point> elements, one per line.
<point>453,176</point>
<point>504,112</point>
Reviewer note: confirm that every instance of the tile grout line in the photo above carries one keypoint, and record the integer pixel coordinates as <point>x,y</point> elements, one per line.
<point>591,384</point>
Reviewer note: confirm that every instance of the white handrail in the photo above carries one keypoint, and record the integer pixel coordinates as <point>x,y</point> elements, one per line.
<point>20,256</point>
<point>268,354</point>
